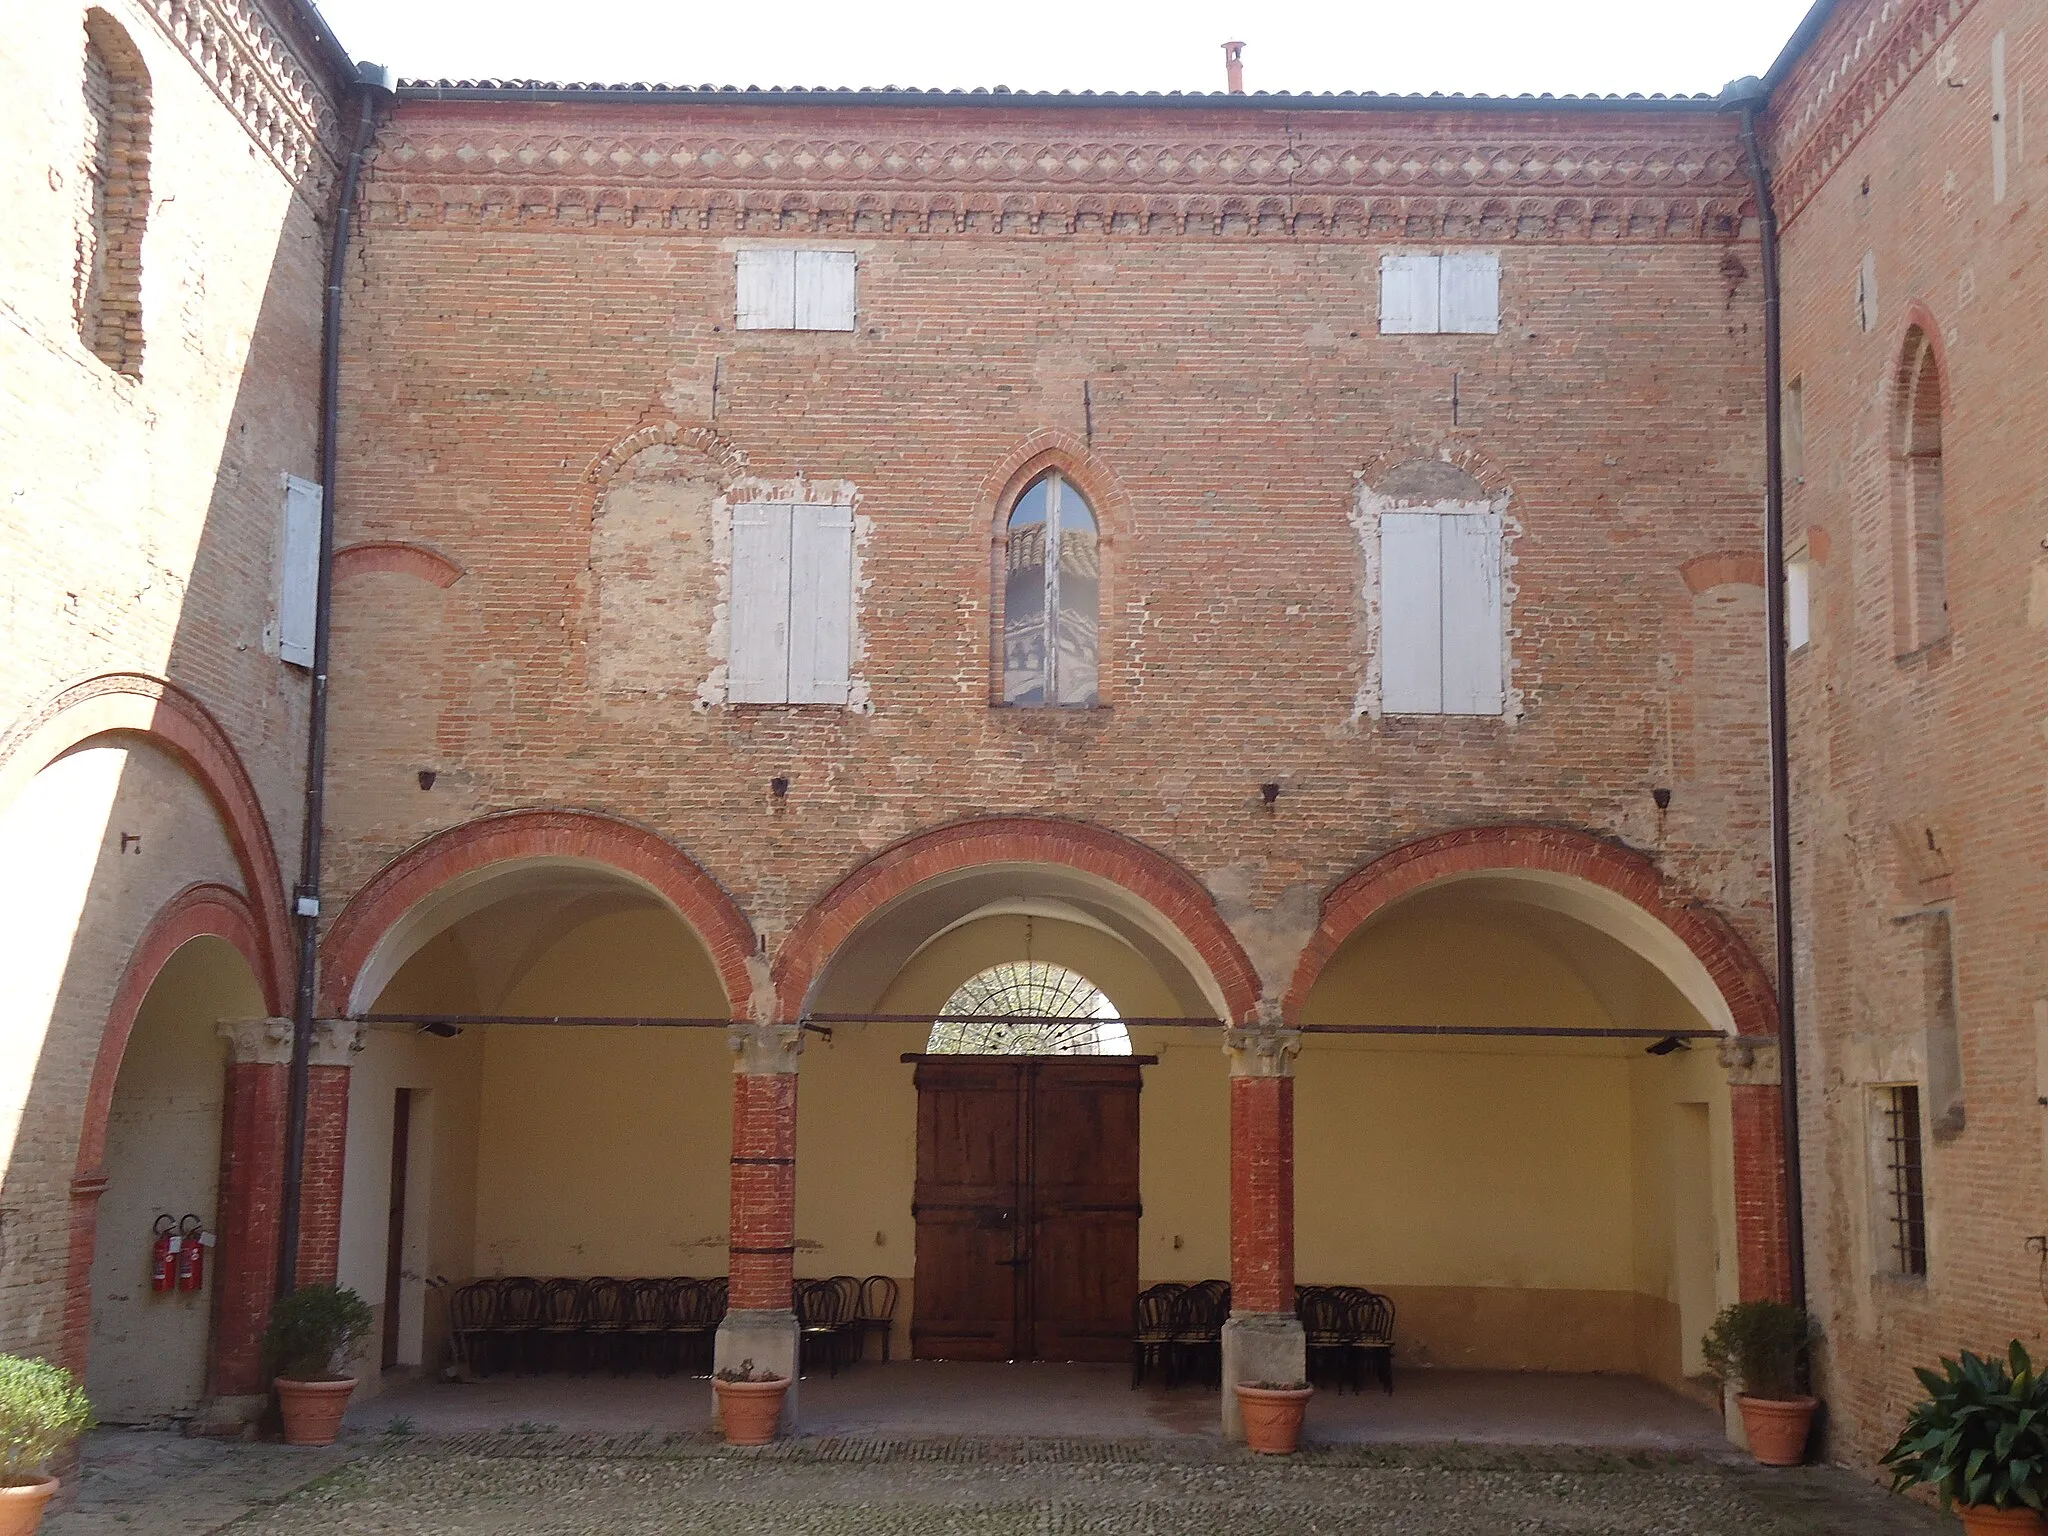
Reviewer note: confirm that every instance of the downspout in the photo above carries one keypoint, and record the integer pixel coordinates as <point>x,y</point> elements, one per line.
<point>1749,95</point>
<point>372,89</point>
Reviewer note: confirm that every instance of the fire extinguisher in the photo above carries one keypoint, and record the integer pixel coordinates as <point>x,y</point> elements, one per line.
<point>193,1241</point>
<point>163,1254</point>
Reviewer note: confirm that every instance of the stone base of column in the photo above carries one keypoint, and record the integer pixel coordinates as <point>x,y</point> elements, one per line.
<point>229,1418</point>
<point>769,1338</point>
<point>1259,1347</point>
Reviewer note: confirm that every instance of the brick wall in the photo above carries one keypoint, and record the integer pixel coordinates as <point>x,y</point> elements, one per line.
<point>1918,773</point>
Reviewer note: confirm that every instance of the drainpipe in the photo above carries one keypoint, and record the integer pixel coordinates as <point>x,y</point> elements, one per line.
<point>372,89</point>
<point>1749,95</point>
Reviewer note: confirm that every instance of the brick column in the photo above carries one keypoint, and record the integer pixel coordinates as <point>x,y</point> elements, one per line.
<point>251,1190</point>
<point>760,1323</point>
<point>1263,1340</point>
<point>336,1043</point>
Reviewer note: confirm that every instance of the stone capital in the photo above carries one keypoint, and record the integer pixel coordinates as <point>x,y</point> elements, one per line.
<point>765,1050</point>
<point>258,1042</point>
<point>337,1042</point>
<point>1751,1061</point>
<point>1262,1051</point>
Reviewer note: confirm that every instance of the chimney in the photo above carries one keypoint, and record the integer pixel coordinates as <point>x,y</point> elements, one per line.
<point>1233,67</point>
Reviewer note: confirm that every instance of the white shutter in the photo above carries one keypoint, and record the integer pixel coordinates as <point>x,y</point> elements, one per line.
<point>767,290</point>
<point>1471,293</point>
<point>820,604</point>
<point>1798,604</point>
<point>298,588</point>
<point>1472,614</point>
<point>1411,614</point>
<point>1409,295</point>
<point>758,670</point>
<point>825,290</point>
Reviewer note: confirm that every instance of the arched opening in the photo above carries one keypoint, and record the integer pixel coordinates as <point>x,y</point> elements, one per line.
<point>112,183</point>
<point>484,1141</point>
<point>1029,1008</point>
<point>992,924</point>
<point>1541,1173</point>
<point>148,1351</point>
<point>1050,597</point>
<point>1919,535</point>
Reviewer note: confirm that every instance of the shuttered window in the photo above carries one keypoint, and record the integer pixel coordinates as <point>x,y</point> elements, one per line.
<point>788,290</point>
<point>792,604</point>
<point>298,587</point>
<point>1429,295</point>
<point>1441,634</point>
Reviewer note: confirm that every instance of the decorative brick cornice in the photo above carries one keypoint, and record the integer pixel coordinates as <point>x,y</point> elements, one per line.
<point>238,49</point>
<point>1842,87</point>
<point>1435,182</point>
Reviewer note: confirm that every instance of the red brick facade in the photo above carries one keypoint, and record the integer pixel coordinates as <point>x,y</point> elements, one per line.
<point>763,1189</point>
<point>1262,1194</point>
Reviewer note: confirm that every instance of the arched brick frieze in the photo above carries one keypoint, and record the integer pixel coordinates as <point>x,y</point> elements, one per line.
<point>514,835</point>
<point>1150,876</point>
<point>132,703</point>
<point>397,558</point>
<point>198,911</point>
<point>1724,567</point>
<point>1759,1147</point>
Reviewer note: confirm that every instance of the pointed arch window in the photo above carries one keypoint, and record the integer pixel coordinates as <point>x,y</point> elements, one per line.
<point>1051,597</point>
<point>1919,533</point>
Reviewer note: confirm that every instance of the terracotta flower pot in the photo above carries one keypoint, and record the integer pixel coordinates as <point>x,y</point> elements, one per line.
<point>313,1409</point>
<point>750,1410</point>
<point>1983,1520</point>
<point>1272,1417</point>
<point>1778,1427</point>
<point>22,1504</point>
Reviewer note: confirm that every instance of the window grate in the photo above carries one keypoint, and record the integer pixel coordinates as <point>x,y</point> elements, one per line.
<point>1905,1176</point>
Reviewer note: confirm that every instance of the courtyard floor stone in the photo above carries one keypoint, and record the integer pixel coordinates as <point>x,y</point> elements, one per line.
<point>540,1483</point>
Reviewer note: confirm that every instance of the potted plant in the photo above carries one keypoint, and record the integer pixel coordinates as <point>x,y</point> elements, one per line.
<point>1272,1412</point>
<point>749,1403</point>
<point>1980,1440</point>
<point>1760,1347</point>
<point>42,1410</point>
<point>313,1333</point>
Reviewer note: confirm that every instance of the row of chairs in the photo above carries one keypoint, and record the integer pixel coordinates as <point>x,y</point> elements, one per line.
<point>1349,1328</point>
<point>523,1324</point>
<point>836,1317</point>
<point>1177,1330</point>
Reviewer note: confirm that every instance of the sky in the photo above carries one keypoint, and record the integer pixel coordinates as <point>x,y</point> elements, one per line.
<point>1497,46</point>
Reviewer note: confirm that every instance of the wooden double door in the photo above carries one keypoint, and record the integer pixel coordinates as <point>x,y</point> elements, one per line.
<point>1027,1207</point>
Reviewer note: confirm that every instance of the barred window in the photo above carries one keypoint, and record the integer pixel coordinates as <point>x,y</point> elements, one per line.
<point>1904,1201</point>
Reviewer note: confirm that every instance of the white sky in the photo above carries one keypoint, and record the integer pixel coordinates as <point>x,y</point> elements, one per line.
<point>1502,46</point>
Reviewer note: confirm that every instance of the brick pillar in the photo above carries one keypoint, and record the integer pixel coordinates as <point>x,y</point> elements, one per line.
<point>244,1259</point>
<point>1263,1340</point>
<point>336,1043</point>
<point>72,1349</point>
<point>760,1323</point>
<point>1756,1113</point>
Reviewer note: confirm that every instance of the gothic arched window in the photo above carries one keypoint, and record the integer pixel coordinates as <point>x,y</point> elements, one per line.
<point>1052,577</point>
<point>1029,1008</point>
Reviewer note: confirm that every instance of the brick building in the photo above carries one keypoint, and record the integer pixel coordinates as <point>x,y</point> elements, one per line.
<point>1225,564</point>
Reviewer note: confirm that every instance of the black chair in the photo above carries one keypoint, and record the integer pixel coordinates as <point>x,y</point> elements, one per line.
<point>520,1316</point>
<point>824,1308</point>
<point>876,1315</point>
<point>472,1324</point>
<point>1152,1328</point>
<point>1323,1319</point>
<point>647,1322</point>
<point>1198,1317</point>
<point>558,1336</point>
<point>1368,1334</point>
<point>604,1323</point>
<point>695,1310</point>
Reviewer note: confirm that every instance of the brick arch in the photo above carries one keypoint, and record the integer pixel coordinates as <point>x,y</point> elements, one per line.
<point>515,835</point>
<point>132,703</point>
<point>1152,877</point>
<point>1919,320</point>
<point>395,557</point>
<point>1762,1230</point>
<point>198,911</point>
<point>1724,567</point>
<point>1438,447</point>
<point>1735,970</point>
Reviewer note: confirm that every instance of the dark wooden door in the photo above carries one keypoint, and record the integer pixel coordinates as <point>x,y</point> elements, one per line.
<point>1027,1207</point>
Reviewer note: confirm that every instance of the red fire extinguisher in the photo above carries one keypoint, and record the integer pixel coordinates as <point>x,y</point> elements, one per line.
<point>163,1254</point>
<point>193,1241</point>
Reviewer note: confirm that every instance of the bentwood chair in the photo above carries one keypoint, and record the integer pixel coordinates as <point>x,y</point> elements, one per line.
<point>877,1312</point>
<point>472,1320</point>
<point>1323,1324</point>
<point>604,1324</point>
<point>520,1316</point>
<point>1368,1334</point>
<point>1199,1313</point>
<point>1152,1328</point>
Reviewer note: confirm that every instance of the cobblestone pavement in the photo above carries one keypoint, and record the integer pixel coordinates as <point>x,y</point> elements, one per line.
<point>541,1484</point>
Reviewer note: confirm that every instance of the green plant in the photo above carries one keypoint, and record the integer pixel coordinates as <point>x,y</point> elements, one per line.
<point>1981,1435</point>
<point>314,1330</point>
<point>401,1425</point>
<point>747,1371</point>
<point>42,1410</point>
<point>1760,1346</point>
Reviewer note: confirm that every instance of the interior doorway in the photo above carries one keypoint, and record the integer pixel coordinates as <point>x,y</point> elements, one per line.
<point>1026,1207</point>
